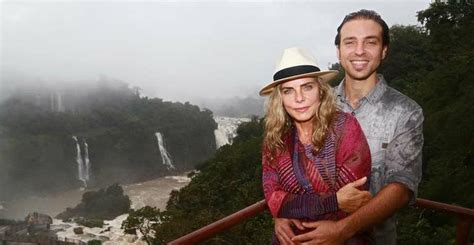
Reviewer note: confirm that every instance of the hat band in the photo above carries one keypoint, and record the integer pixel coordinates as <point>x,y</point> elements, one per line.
<point>294,71</point>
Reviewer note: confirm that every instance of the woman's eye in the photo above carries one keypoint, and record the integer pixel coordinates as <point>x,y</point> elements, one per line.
<point>286,91</point>
<point>308,87</point>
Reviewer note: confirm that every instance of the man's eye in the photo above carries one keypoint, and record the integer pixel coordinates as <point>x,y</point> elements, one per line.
<point>372,42</point>
<point>348,43</point>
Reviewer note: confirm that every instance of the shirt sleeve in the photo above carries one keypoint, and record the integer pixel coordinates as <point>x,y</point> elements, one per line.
<point>404,163</point>
<point>283,204</point>
<point>353,154</point>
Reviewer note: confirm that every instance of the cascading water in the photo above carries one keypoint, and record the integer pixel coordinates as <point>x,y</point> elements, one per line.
<point>60,105</point>
<point>86,161</point>
<point>227,129</point>
<point>83,164</point>
<point>56,100</point>
<point>165,156</point>
<point>52,101</point>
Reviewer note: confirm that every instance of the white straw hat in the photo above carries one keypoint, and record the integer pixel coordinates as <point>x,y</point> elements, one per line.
<point>296,63</point>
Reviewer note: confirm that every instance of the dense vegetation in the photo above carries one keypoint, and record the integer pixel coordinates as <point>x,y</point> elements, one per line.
<point>226,183</point>
<point>38,153</point>
<point>96,206</point>
<point>433,64</point>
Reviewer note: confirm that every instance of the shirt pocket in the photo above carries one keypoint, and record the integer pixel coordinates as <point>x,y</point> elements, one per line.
<point>378,147</point>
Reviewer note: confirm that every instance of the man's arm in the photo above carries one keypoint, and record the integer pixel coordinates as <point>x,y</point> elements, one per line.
<point>387,202</point>
<point>349,199</point>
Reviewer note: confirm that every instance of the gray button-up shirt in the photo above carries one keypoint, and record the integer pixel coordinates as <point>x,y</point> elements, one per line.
<point>393,125</point>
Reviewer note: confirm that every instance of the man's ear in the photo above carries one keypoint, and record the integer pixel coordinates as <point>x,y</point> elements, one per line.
<point>384,52</point>
<point>338,54</point>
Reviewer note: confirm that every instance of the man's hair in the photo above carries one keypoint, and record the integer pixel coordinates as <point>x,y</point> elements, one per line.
<point>367,15</point>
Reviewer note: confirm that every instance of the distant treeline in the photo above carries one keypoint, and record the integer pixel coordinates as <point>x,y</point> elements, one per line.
<point>38,153</point>
<point>434,65</point>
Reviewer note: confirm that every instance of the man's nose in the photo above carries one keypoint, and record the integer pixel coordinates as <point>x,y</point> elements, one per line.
<point>360,48</point>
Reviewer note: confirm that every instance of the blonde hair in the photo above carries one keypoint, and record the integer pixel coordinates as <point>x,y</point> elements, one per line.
<point>278,122</point>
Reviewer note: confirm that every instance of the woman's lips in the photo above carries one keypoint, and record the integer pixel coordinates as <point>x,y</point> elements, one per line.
<point>302,109</point>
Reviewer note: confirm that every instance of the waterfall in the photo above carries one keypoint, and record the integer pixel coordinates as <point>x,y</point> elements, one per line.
<point>56,102</point>
<point>60,106</point>
<point>227,129</point>
<point>51,101</point>
<point>165,156</point>
<point>83,164</point>
<point>87,161</point>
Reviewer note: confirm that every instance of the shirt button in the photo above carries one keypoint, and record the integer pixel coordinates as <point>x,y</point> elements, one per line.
<point>353,113</point>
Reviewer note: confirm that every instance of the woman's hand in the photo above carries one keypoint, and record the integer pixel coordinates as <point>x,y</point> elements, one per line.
<point>349,198</point>
<point>283,229</point>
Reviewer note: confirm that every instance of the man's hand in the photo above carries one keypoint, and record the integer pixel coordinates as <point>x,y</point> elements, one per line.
<point>349,198</point>
<point>325,232</point>
<point>283,230</point>
<point>387,201</point>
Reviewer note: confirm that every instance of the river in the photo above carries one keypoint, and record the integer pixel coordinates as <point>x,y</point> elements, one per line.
<point>153,193</point>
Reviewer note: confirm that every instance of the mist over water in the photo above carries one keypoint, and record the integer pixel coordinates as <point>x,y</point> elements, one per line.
<point>153,193</point>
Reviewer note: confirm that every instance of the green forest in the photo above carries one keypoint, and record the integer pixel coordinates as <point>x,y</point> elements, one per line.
<point>432,63</point>
<point>38,153</point>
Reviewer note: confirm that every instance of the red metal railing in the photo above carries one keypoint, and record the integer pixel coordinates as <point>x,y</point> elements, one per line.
<point>463,226</point>
<point>465,217</point>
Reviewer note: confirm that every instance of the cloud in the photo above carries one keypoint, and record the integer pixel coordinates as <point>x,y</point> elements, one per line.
<point>176,50</point>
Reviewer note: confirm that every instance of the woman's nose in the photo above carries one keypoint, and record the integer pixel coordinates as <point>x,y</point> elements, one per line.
<point>299,96</point>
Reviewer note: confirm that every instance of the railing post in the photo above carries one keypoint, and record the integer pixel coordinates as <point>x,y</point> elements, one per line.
<point>463,228</point>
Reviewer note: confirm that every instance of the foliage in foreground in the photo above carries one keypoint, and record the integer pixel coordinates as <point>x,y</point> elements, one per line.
<point>145,220</point>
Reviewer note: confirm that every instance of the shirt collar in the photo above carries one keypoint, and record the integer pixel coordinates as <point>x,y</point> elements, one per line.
<point>376,94</point>
<point>339,91</point>
<point>373,97</point>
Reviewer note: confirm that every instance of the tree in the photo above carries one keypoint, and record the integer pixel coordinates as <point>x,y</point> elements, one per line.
<point>144,220</point>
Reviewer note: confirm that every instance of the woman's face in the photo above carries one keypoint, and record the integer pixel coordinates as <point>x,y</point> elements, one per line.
<point>301,98</point>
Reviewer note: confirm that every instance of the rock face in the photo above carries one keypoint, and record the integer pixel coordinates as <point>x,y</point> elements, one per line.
<point>78,230</point>
<point>114,140</point>
<point>38,222</point>
<point>38,219</point>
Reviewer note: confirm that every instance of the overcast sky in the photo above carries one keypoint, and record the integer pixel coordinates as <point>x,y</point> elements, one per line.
<point>176,50</point>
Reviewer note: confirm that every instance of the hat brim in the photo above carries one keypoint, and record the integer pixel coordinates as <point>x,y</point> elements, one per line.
<point>324,75</point>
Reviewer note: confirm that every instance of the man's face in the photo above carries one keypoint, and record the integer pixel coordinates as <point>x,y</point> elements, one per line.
<point>361,51</point>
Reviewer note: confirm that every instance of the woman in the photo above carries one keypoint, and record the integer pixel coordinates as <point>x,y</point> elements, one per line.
<point>311,150</point>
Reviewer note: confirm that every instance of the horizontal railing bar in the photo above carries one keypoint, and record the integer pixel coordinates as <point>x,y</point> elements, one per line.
<point>250,211</point>
<point>443,207</point>
<point>222,224</point>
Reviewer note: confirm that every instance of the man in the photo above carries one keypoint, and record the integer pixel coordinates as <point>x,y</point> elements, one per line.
<point>392,124</point>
